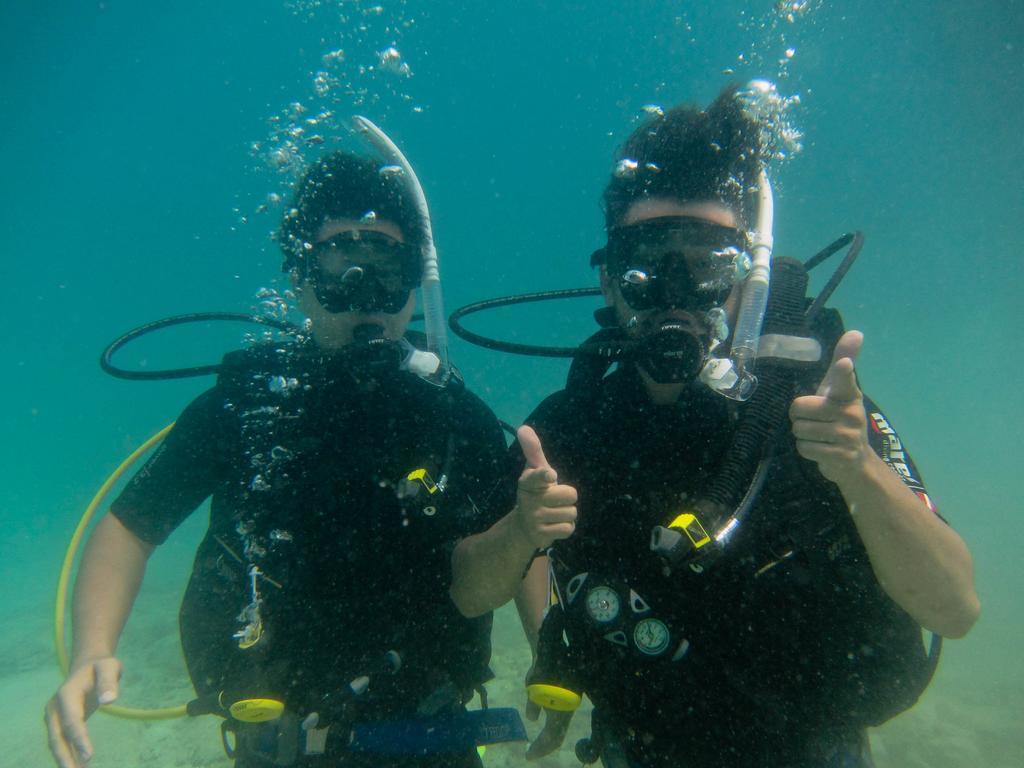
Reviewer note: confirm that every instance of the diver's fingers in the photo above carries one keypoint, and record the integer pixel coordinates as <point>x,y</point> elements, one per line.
<point>815,431</point>
<point>555,515</point>
<point>532,450</point>
<point>813,408</point>
<point>826,410</point>
<point>59,747</point>
<point>108,677</point>
<point>537,479</point>
<point>557,532</point>
<point>70,711</point>
<point>560,496</point>
<point>826,455</point>
<point>551,737</point>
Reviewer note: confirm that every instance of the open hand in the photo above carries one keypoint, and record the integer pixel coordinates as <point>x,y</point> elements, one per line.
<point>545,510</point>
<point>830,426</point>
<point>88,686</point>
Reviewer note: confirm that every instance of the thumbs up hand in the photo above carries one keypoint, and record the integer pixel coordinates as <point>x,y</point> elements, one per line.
<point>545,511</point>
<point>831,426</point>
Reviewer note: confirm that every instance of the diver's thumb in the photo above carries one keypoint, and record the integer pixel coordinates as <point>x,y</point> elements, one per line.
<point>532,449</point>
<point>108,679</point>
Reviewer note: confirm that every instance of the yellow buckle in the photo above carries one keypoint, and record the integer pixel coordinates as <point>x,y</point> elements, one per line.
<point>688,523</point>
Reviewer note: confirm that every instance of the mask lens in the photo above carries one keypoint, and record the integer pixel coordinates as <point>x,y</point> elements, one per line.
<point>362,271</point>
<point>687,264</point>
<point>635,286</point>
<point>393,261</point>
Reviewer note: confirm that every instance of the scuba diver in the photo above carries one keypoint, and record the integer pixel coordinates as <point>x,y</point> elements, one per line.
<point>755,554</point>
<point>331,618</point>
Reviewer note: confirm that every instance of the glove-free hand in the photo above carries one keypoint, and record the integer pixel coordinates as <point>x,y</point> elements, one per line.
<point>545,510</point>
<point>830,426</point>
<point>88,686</point>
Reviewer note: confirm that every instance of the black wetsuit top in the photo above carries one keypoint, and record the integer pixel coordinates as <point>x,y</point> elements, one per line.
<point>306,459</point>
<point>778,655</point>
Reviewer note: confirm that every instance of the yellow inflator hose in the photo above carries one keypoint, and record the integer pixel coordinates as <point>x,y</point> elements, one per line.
<point>60,604</point>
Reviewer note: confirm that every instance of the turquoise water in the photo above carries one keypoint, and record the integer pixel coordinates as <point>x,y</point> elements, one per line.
<point>131,191</point>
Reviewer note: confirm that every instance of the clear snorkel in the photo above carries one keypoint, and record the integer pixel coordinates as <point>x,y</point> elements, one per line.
<point>734,376</point>
<point>430,289</point>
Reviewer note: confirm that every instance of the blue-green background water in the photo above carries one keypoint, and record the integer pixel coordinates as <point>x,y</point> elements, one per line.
<point>129,192</point>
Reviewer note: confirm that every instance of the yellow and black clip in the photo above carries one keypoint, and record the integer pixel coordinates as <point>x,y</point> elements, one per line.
<point>690,525</point>
<point>423,477</point>
<point>685,539</point>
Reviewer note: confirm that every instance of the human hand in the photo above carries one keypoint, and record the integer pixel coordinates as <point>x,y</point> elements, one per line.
<point>88,686</point>
<point>545,510</point>
<point>830,426</point>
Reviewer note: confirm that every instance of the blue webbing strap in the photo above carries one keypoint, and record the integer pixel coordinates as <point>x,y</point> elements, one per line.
<point>452,733</point>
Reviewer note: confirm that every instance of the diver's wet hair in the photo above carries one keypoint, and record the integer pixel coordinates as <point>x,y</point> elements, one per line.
<point>343,185</point>
<point>691,155</point>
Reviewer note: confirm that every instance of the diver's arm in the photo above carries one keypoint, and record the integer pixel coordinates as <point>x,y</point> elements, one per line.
<point>921,563</point>
<point>108,581</point>
<point>487,568</point>
<point>532,599</point>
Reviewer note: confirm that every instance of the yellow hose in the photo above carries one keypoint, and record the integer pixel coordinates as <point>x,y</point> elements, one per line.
<point>60,604</point>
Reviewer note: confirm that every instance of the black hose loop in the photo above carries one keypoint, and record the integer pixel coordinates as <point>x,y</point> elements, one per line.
<point>534,350</point>
<point>181,373</point>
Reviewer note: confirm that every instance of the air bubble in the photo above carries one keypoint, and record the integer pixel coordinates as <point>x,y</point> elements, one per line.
<point>280,385</point>
<point>390,60</point>
<point>626,168</point>
<point>334,57</point>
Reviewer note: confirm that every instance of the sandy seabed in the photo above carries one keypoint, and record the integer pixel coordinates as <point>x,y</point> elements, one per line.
<point>966,719</point>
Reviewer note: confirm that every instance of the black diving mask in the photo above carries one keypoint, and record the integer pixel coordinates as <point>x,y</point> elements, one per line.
<point>363,271</point>
<point>673,262</point>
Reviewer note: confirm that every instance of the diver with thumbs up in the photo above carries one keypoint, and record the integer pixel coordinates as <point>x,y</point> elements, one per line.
<point>756,555</point>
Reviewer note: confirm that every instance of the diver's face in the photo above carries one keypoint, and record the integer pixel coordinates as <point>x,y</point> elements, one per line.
<point>672,241</point>
<point>333,330</point>
<point>638,321</point>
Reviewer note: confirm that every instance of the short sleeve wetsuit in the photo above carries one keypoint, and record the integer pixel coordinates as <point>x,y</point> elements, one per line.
<point>347,488</point>
<point>775,654</point>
